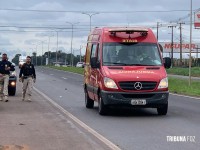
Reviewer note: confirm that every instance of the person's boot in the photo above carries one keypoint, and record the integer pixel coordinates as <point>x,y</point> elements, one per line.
<point>1,98</point>
<point>6,98</point>
<point>29,98</point>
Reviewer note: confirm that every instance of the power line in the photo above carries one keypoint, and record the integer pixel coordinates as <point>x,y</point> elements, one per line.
<point>41,31</point>
<point>74,11</point>
<point>184,17</point>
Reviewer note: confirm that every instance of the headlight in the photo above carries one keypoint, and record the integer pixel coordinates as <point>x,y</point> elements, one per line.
<point>163,83</point>
<point>13,73</point>
<point>13,83</point>
<point>109,83</point>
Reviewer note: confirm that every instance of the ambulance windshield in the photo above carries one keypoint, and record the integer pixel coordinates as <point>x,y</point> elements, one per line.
<point>130,54</point>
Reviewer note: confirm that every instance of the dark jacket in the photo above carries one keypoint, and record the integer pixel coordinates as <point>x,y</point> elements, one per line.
<point>5,63</point>
<point>27,70</point>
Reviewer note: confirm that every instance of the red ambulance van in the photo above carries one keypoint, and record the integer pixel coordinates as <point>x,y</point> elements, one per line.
<point>124,67</point>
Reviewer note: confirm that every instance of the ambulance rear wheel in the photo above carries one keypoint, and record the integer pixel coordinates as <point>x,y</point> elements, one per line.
<point>89,103</point>
<point>102,108</point>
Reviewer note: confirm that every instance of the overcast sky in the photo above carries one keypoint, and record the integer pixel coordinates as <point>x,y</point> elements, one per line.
<point>20,31</point>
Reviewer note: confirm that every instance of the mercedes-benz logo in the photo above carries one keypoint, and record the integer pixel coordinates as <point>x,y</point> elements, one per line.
<point>138,85</point>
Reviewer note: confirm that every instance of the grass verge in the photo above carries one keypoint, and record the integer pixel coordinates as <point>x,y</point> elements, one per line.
<point>180,86</point>
<point>70,69</point>
<point>195,71</point>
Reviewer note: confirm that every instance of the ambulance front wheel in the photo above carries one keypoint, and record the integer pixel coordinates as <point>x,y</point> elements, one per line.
<point>89,103</point>
<point>102,108</point>
<point>162,110</point>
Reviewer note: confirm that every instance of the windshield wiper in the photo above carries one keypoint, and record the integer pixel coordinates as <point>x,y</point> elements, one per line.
<point>112,63</point>
<point>124,64</point>
<point>141,65</point>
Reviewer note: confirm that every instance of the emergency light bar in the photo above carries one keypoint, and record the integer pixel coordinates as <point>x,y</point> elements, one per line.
<point>143,32</point>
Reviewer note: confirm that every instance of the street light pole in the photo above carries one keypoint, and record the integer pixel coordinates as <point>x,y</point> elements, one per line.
<point>90,15</point>
<point>57,48</point>
<point>80,52</point>
<point>190,60</point>
<point>42,54</point>
<point>71,45</point>
<point>36,56</point>
<point>48,50</point>
<point>50,35</point>
<point>72,24</point>
<point>81,46</point>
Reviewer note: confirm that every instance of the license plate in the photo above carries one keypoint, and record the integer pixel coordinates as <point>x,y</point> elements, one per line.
<point>138,102</point>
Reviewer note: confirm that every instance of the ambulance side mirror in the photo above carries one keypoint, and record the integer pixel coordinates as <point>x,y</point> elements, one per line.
<point>94,62</point>
<point>167,62</point>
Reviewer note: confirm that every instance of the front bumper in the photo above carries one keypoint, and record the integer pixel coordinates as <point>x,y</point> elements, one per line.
<point>153,99</point>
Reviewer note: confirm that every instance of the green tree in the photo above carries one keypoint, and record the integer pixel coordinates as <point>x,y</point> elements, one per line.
<point>16,59</point>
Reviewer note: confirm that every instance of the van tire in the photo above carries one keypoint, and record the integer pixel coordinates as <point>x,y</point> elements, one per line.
<point>162,110</point>
<point>89,103</point>
<point>102,108</point>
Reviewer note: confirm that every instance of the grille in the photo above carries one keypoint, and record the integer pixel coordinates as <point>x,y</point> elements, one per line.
<point>129,85</point>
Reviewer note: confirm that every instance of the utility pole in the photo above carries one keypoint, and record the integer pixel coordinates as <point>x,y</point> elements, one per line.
<point>181,41</point>
<point>172,43</point>
<point>157,29</point>
<point>190,58</point>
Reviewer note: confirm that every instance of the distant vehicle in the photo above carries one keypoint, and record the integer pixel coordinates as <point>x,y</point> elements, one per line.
<point>124,67</point>
<point>22,60</point>
<point>80,65</point>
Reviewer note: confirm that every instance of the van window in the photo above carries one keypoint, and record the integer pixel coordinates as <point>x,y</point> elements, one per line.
<point>99,54</point>
<point>144,54</point>
<point>94,48</point>
<point>88,52</point>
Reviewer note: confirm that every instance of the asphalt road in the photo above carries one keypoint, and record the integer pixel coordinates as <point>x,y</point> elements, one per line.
<point>38,125</point>
<point>130,129</point>
<point>183,77</point>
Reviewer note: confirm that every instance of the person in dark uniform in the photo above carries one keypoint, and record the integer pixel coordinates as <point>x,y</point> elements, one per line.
<point>5,68</point>
<point>27,76</point>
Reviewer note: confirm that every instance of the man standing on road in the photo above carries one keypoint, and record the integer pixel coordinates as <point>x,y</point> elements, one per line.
<point>27,76</point>
<point>5,68</point>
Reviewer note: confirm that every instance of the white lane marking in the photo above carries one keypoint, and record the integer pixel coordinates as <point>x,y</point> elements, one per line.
<point>64,78</point>
<point>185,96</point>
<point>82,124</point>
<point>170,93</point>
